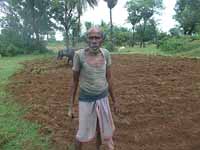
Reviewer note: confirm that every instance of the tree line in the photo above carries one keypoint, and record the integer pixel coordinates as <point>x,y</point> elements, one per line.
<point>26,24</point>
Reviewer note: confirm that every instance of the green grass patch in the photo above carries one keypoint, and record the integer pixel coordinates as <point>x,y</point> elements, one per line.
<point>194,53</point>
<point>193,49</point>
<point>152,50</point>
<point>148,50</point>
<point>55,46</point>
<point>15,132</point>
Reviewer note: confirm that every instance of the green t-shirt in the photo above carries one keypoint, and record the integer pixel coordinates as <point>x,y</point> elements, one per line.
<point>93,82</point>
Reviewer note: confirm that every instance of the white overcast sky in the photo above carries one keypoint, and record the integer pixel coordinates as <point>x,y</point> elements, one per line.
<point>101,12</point>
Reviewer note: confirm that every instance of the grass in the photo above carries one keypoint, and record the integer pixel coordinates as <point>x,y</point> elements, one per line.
<point>15,132</point>
<point>192,53</point>
<point>59,45</point>
<point>152,50</point>
<point>149,50</point>
<point>55,46</point>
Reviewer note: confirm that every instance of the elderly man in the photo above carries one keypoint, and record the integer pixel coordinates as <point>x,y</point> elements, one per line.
<point>92,73</point>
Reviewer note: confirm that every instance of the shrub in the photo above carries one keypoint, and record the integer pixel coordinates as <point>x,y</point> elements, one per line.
<point>179,44</point>
<point>196,37</point>
<point>109,46</point>
<point>13,44</point>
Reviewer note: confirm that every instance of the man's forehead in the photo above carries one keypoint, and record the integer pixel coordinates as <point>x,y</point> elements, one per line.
<point>94,31</point>
<point>94,34</point>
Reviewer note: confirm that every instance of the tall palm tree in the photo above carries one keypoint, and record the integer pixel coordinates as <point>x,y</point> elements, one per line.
<point>111,4</point>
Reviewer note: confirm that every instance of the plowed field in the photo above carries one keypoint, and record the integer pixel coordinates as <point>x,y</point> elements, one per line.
<point>159,101</point>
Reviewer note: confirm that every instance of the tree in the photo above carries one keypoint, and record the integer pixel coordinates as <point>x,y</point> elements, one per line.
<point>187,14</point>
<point>66,12</point>
<point>140,12</point>
<point>176,31</point>
<point>88,25</point>
<point>111,4</point>
<point>134,16</point>
<point>63,12</point>
<point>81,6</point>
<point>28,21</point>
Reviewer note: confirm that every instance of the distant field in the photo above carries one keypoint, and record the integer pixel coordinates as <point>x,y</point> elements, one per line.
<point>148,50</point>
<point>56,46</point>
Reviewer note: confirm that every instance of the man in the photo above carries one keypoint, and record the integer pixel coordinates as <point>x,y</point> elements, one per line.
<point>92,73</point>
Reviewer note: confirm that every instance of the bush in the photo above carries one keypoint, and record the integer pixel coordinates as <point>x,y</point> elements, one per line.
<point>196,37</point>
<point>109,46</point>
<point>178,44</point>
<point>13,44</point>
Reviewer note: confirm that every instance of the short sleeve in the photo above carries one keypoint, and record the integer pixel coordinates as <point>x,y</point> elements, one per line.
<point>76,62</point>
<point>108,57</point>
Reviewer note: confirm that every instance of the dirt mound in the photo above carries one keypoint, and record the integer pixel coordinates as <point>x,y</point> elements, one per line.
<point>159,100</point>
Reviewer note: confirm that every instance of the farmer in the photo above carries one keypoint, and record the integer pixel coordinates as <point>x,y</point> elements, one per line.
<point>92,73</point>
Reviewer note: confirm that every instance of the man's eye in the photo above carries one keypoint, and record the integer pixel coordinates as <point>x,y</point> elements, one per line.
<point>94,37</point>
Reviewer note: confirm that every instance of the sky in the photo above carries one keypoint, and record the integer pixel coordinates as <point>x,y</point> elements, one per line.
<point>101,12</point>
<point>120,14</point>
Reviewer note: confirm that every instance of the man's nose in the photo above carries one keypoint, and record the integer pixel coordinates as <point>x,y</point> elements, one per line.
<point>93,39</point>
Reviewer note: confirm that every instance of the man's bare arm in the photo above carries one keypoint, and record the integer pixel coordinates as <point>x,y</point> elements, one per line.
<point>74,86</point>
<point>110,84</point>
<point>73,92</point>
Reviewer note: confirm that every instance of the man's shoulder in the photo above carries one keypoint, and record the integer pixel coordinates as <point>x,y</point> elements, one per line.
<point>105,51</point>
<point>79,51</point>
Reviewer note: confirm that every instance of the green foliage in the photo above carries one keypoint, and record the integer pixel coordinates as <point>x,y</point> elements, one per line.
<point>12,44</point>
<point>121,36</point>
<point>188,16</point>
<point>88,25</point>
<point>140,13</point>
<point>109,46</point>
<point>111,3</point>
<point>179,44</point>
<point>24,27</point>
<point>150,32</point>
<point>175,31</point>
<point>195,37</point>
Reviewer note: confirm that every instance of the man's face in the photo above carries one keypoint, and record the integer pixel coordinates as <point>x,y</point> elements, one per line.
<point>94,40</point>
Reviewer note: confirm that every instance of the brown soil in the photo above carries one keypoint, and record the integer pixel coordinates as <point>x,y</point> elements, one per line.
<point>159,99</point>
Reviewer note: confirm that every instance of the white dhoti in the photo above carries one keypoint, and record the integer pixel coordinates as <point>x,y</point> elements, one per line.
<point>89,112</point>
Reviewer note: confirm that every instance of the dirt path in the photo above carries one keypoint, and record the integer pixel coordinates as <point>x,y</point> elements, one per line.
<point>159,99</point>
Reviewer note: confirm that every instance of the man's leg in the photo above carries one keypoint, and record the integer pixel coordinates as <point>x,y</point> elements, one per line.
<point>110,144</point>
<point>98,138</point>
<point>78,145</point>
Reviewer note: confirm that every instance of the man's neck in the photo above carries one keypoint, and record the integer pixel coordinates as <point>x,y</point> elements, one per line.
<point>92,52</point>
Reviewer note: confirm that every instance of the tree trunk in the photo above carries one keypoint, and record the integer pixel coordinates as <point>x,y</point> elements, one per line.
<point>133,37</point>
<point>111,30</point>
<point>111,25</point>
<point>191,29</point>
<point>79,28</point>
<point>67,37</point>
<point>35,30</point>
<point>67,40</point>
<point>143,33</point>
<point>74,40</point>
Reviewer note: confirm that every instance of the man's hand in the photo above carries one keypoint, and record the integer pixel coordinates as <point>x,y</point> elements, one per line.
<point>116,108</point>
<point>70,112</point>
